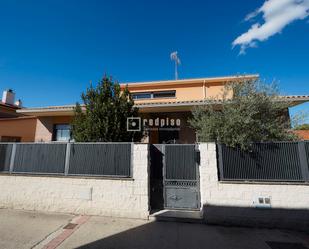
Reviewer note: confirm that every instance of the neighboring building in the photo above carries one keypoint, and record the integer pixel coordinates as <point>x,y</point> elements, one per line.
<point>20,129</point>
<point>157,101</point>
<point>8,106</point>
<point>12,129</point>
<point>302,134</point>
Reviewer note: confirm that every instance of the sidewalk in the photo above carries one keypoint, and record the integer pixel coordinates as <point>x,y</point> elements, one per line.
<point>21,229</point>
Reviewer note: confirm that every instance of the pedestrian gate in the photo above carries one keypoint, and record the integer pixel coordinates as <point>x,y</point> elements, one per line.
<point>180,179</point>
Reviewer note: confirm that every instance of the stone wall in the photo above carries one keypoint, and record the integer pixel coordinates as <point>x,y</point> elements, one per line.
<point>235,202</point>
<point>107,197</point>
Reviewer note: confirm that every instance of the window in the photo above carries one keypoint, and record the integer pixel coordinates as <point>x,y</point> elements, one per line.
<point>154,95</point>
<point>141,95</point>
<point>165,94</point>
<point>62,132</point>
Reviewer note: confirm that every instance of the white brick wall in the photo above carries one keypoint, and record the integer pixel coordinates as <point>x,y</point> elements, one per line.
<point>217,193</point>
<point>107,197</point>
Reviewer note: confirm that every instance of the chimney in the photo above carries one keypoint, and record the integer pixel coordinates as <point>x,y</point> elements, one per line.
<point>8,97</point>
<point>19,103</point>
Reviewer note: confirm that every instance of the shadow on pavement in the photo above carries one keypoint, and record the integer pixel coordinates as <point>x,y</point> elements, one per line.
<point>294,219</point>
<point>172,235</point>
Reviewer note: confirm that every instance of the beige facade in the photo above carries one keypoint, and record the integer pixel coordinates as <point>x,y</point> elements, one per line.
<point>22,129</point>
<point>30,129</point>
<point>186,90</point>
<point>46,125</point>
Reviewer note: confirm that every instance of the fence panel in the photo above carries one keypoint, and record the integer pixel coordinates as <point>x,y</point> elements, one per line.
<point>40,158</point>
<point>307,152</point>
<point>267,162</point>
<point>112,159</point>
<point>181,162</point>
<point>5,157</point>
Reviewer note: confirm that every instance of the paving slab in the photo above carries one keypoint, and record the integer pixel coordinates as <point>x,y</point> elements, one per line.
<point>24,229</point>
<point>98,228</point>
<point>101,232</point>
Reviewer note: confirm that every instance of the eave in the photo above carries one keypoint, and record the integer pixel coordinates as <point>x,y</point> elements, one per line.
<point>171,106</point>
<point>179,83</point>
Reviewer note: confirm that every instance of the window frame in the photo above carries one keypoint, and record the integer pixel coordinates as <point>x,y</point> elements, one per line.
<point>141,93</point>
<point>153,93</point>
<point>55,131</point>
<point>168,97</point>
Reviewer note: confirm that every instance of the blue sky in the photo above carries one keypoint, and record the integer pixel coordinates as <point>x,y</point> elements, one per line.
<point>51,50</point>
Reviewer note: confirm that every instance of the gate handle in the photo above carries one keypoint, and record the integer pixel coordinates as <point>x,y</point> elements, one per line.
<point>175,198</point>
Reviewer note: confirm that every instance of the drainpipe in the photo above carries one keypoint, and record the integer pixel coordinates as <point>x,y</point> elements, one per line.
<point>204,89</point>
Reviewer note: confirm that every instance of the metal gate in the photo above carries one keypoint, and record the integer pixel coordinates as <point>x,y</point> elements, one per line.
<point>181,176</point>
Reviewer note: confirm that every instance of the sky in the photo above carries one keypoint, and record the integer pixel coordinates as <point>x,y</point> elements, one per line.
<point>50,51</point>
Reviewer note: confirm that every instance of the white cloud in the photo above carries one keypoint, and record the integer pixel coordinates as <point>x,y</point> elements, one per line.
<point>276,15</point>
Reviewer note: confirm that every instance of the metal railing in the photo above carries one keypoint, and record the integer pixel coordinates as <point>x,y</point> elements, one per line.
<point>84,159</point>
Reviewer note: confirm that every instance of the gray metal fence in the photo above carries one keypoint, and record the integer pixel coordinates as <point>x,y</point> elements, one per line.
<point>90,159</point>
<point>39,158</point>
<point>178,157</point>
<point>100,159</point>
<point>5,157</point>
<point>307,151</point>
<point>278,161</point>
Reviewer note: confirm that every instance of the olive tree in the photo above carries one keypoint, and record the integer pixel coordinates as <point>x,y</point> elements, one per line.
<point>246,111</point>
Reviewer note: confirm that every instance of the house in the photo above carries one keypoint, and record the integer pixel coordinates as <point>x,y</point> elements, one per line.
<point>164,106</point>
<point>302,134</point>
<point>14,127</point>
<point>8,106</point>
